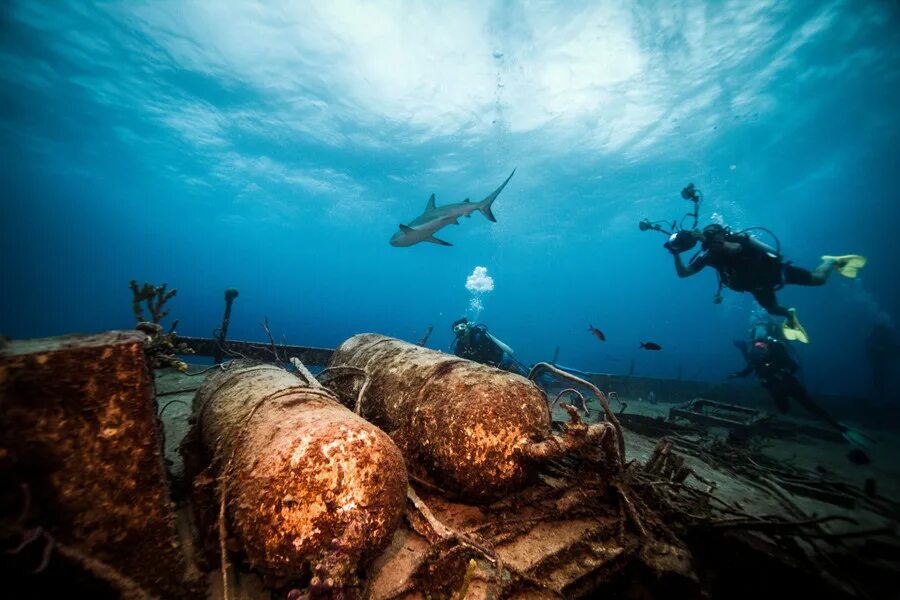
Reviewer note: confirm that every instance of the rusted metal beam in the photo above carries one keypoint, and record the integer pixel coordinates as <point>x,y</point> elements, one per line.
<point>820,493</point>
<point>705,419</point>
<point>719,414</point>
<point>258,350</point>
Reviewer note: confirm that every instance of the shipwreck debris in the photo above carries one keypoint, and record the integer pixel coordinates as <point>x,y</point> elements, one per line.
<point>476,428</point>
<point>79,441</point>
<point>221,333</point>
<point>739,420</point>
<point>307,487</point>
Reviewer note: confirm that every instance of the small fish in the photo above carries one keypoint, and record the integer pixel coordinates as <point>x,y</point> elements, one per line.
<point>597,333</point>
<point>649,346</point>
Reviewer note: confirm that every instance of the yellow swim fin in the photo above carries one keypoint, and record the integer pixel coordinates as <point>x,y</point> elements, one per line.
<point>793,330</point>
<point>847,265</point>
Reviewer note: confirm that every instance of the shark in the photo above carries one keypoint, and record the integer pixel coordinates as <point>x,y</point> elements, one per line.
<point>433,218</point>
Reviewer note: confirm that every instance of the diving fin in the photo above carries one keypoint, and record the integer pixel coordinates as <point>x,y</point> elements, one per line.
<point>861,442</point>
<point>792,329</point>
<point>857,438</point>
<point>847,265</point>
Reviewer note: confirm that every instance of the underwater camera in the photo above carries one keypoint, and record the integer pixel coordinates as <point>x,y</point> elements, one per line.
<point>681,239</point>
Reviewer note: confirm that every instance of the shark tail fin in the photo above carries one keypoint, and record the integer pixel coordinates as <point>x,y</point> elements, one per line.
<point>485,205</point>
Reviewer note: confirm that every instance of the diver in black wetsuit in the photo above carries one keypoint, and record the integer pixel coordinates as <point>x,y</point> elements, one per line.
<point>473,342</point>
<point>745,264</point>
<point>769,358</point>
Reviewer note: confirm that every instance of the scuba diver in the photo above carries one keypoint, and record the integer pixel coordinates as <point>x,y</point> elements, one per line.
<point>474,342</point>
<point>745,264</point>
<point>769,357</point>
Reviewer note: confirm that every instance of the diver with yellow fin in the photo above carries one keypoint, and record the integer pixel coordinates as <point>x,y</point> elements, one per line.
<point>746,264</point>
<point>768,356</point>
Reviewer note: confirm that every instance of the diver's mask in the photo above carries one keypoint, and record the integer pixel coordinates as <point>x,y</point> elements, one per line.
<point>714,236</point>
<point>459,328</point>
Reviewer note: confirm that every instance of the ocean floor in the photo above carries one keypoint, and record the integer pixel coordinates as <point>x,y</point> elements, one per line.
<point>768,479</point>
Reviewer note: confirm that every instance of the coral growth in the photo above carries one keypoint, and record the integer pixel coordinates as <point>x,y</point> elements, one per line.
<point>161,348</point>
<point>155,297</point>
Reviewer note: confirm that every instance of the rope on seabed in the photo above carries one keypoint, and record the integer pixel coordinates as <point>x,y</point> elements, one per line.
<point>327,375</point>
<point>221,366</point>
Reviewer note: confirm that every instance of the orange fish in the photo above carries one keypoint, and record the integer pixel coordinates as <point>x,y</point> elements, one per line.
<point>597,333</point>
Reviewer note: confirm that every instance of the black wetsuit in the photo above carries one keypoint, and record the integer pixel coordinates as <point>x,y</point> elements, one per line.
<point>477,345</point>
<point>771,361</point>
<point>756,268</point>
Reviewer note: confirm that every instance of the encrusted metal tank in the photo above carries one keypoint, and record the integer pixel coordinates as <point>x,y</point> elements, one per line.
<point>477,429</point>
<point>307,485</point>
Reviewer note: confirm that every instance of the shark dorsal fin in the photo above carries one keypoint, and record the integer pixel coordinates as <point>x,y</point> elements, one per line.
<point>466,200</point>
<point>405,228</point>
<point>430,205</point>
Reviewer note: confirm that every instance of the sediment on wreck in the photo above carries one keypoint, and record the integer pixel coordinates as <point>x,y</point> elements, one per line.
<point>477,429</point>
<point>307,487</point>
<point>81,462</point>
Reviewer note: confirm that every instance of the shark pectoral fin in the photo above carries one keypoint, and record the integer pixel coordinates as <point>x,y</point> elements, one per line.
<point>434,240</point>
<point>405,228</point>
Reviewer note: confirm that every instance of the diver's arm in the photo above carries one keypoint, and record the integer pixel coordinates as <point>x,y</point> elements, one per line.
<point>742,373</point>
<point>691,268</point>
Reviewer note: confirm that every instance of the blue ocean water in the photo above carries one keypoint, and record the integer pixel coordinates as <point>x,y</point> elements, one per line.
<point>274,147</point>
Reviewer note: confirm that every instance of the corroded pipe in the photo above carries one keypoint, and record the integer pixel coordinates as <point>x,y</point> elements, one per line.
<point>476,428</point>
<point>230,295</point>
<point>308,486</point>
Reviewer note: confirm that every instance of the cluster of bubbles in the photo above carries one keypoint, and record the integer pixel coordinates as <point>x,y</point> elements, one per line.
<point>478,283</point>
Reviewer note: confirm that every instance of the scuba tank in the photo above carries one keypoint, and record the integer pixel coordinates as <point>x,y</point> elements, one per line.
<point>499,343</point>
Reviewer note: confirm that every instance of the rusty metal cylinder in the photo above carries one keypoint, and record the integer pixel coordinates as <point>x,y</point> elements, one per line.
<point>470,424</point>
<point>308,486</point>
